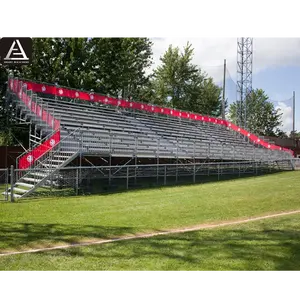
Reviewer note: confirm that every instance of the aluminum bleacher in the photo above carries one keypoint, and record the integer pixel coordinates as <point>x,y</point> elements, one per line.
<point>73,123</point>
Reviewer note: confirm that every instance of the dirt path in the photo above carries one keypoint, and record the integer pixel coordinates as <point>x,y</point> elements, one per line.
<point>148,235</point>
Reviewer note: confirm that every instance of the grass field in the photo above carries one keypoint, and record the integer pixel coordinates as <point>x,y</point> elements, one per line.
<point>272,244</point>
<point>51,221</point>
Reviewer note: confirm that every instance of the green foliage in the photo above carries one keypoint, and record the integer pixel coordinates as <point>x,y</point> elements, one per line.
<point>262,117</point>
<point>294,134</point>
<point>113,66</point>
<point>178,83</point>
<point>119,64</point>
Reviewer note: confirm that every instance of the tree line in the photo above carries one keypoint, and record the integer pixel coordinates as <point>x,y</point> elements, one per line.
<point>120,67</point>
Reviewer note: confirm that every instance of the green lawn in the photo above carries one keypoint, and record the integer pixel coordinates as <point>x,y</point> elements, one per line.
<point>41,222</point>
<point>272,244</point>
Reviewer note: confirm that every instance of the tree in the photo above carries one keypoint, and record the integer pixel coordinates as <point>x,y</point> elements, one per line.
<point>62,61</point>
<point>178,83</point>
<point>294,134</point>
<point>107,65</point>
<point>262,117</point>
<point>120,64</point>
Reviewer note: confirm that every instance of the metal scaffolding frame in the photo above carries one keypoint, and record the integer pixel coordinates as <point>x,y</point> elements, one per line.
<point>244,77</point>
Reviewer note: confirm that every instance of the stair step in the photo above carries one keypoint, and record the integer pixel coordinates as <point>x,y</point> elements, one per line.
<point>31,179</point>
<point>20,190</point>
<point>25,184</point>
<point>39,174</point>
<point>67,152</point>
<point>9,193</point>
<point>53,166</point>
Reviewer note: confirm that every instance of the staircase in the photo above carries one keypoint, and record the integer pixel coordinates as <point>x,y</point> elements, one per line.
<point>36,166</point>
<point>38,176</point>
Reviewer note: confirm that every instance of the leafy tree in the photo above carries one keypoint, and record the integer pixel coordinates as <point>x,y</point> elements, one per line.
<point>262,117</point>
<point>107,65</point>
<point>120,64</point>
<point>178,83</point>
<point>295,134</point>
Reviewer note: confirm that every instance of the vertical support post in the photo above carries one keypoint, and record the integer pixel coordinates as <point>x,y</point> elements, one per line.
<point>127,177</point>
<point>51,170</point>
<point>157,170</point>
<point>80,158</point>
<point>165,175</point>
<point>30,135</point>
<point>6,183</point>
<point>294,112</point>
<point>194,173</point>
<point>109,171</point>
<point>12,183</point>
<point>47,114</point>
<point>36,104</point>
<point>218,171</point>
<point>223,98</point>
<point>135,162</point>
<point>176,170</point>
<point>239,169</point>
<point>53,118</point>
<point>77,183</point>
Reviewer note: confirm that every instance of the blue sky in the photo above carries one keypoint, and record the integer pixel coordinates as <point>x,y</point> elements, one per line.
<point>276,66</point>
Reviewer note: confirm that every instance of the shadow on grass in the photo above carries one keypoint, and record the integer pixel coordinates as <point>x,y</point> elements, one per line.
<point>16,235</point>
<point>218,249</point>
<point>101,186</point>
<point>202,250</point>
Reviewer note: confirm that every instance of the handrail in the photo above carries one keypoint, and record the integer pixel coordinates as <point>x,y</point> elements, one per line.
<point>17,87</point>
<point>41,142</point>
<point>94,97</point>
<point>60,142</point>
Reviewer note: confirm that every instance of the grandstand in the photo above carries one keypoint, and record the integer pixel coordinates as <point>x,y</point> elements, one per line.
<point>69,123</point>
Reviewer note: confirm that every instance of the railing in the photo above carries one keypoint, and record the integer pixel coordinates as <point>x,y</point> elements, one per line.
<point>61,151</point>
<point>87,96</point>
<point>30,158</point>
<point>30,100</point>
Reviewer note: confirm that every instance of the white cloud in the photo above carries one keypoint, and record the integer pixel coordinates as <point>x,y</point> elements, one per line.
<point>209,53</point>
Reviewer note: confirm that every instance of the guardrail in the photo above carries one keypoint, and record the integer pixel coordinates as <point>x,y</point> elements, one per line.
<point>28,159</point>
<point>93,97</point>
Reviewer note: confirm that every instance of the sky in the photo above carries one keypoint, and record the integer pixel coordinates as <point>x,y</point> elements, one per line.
<point>276,67</point>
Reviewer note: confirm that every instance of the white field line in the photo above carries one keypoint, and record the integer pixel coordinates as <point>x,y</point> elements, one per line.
<point>148,235</point>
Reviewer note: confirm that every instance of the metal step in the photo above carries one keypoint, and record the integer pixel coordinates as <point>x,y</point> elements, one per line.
<point>52,167</point>
<point>25,184</point>
<point>67,152</point>
<point>14,195</point>
<point>40,174</point>
<point>31,179</point>
<point>57,156</point>
<point>20,190</point>
<point>57,160</point>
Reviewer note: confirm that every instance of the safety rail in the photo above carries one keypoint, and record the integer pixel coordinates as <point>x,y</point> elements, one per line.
<point>31,158</point>
<point>53,158</point>
<point>93,97</point>
<point>63,148</point>
<point>30,100</point>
